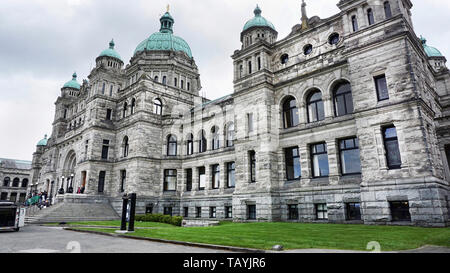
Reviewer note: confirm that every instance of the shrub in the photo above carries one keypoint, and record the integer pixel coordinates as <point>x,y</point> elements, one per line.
<point>172,220</point>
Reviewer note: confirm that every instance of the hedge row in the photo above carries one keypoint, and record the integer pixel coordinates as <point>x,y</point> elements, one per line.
<point>173,220</point>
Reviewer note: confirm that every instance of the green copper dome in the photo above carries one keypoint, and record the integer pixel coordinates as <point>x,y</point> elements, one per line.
<point>164,39</point>
<point>43,142</point>
<point>110,52</point>
<point>429,50</point>
<point>258,21</point>
<point>73,83</point>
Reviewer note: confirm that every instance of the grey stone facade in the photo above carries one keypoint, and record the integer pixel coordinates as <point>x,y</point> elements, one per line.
<point>267,71</point>
<point>14,180</point>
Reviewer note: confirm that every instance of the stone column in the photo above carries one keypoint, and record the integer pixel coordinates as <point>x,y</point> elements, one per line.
<point>333,160</point>
<point>305,160</point>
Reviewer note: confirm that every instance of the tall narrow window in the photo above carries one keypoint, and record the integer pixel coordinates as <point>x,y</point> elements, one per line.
<point>170,180</point>
<point>182,84</point>
<point>249,67</point>
<point>103,88</point>
<point>350,158</point>
<point>190,144</point>
<point>186,212</point>
<point>252,161</point>
<point>228,212</point>
<point>241,71</point>
<point>391,146</point>
<point>381,86</point>
<point>292,212</point>
<point>202,145</point>
<point>157,107</point>
<point>259,63</point>
<point>24,183</point>
<point>175,82</point>
<point>201,178</point>
<point>319,160</point>
<point>212,212</point>
<point>105,149</point>
<point>316,110</point>
<point>290,113</point>
<point>108,114</point>
<point>231,179</point>
<point>370,17</point>
<point>6,181</point>
<point>215,183</point>
<point>101,181</point>
<point>387,10</point>
<point>251,212</point>
<point>198,212</point>
<point>189,86</point>
<point>125,108</point>
<point>125,147</point>
<point>215,138</point>
<point>133,105</point>
<point>293,169</point>
<point>156,79</point>
<point>171,145</point>
<point>188,179</point>
<point>164,80</point>
<point>16,182</point>
<point>354,23</point>
<point>123,178</point>
<point>343,100</point>
<point>111,90</point>
<point>321,211</point>
<point>230,135</point>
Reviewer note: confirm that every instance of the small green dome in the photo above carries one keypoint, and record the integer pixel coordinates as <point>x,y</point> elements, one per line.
<point>43,142</point>
<point>429,50</point>
<point>73,83</point>
<point>258,21</point>
<point>164,39</point>
<point>110,52</point>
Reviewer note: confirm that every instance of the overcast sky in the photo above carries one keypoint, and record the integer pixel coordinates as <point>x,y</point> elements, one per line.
<point>42,42</point>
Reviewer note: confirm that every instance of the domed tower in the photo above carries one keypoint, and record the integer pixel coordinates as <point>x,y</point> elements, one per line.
<point>258,28</point>
<point>109,58</point>
<point>435,57</point>
<point>71,88</point>
<point>169,58</point>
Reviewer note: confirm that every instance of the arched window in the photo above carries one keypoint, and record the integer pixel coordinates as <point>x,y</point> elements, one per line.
<point>290,113</point>
<point>189,86</point>
<point>215,138</point>
<point>230,135</point>
<point>343,100</point>
<point>164,80</point>
<point>157,107</point>
<point>24,183</point>
<point>6,181</point>
<point>202,145</point>
<point>172,145</point>
<point>133,105</point>
<point>249,67</point>
<point>175,82</point>
<point>387,10</point>
<point>125,146</point>
<point>156,78</point>
<point>190,144</point>
<point>182,84</point>
<point>315,107</point>
<point>125,108</point>
<point>16,182</point>
<point>354,23</point>
<point>370,18</point>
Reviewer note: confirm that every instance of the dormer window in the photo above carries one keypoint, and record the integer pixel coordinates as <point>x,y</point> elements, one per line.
<point>284,58</point>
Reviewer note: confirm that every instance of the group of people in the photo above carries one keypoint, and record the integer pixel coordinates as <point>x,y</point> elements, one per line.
<point>41,200</point>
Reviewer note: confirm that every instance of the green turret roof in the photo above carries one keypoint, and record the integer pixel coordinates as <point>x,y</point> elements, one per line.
<point>258,21</point>
<point>73,83</point>
<point>43,142</point>
<point>110,52</point>
<point>164,39</point>
<point>429,50</point>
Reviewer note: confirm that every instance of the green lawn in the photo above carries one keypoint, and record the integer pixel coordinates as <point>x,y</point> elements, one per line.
<point>300,235</point>
<point>116,224</point>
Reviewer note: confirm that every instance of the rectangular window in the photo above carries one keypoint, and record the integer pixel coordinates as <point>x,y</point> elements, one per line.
<point>101,181</point>
<point>215,176</point>
<point>4,196</point>
<point>292,212</point>
<point>231,179</point>
<point>168,211</point>
<point>350,158</point>
<point>354,23</point>
<point>123,178</point>
<point>149,209</point>
<point>353,211</point>
<point>321,212</point>
<point>250,122</point>
<point>198,212</point>
<point>212,212</point>
<point>293,169</point>
<point>391,146</point>
<point>251,212</point>
<point>13,197</point>
<point>108,114</point>
<point>400,211</point>
<point>111,90</point>
<point>381,86</point>
<point>228,212</point>
<point>319,157</point>
<point>201,178</point>
<point>252,159</point>
<point>186,212</point>
<point>189,180</point>
<point>22,197</point>
<point>170,180</point>
<point>105,149</point>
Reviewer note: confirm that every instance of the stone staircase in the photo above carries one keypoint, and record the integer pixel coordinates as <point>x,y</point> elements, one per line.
<point>72,210</point>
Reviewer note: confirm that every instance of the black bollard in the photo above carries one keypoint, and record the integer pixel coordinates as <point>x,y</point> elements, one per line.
<point>123,224</point>
<point>132,212</point>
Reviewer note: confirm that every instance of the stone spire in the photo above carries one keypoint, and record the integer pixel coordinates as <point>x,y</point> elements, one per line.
<point>304,16</point>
